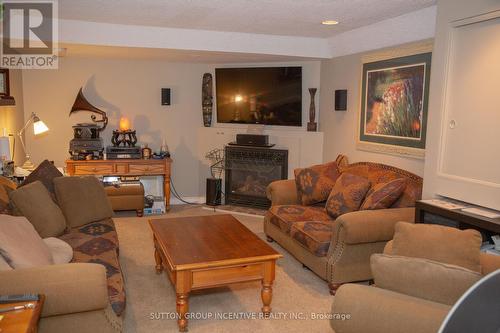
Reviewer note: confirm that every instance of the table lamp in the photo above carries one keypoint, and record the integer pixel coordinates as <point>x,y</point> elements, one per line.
<point>39,127</point>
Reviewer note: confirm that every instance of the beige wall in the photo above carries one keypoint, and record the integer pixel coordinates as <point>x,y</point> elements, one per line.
<point>132,88</point>
<point>121,88</point>
<point>341,127</point>
<point>12,117</point>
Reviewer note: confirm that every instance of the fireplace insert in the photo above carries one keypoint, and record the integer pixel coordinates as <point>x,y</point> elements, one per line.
<point>248,172</point>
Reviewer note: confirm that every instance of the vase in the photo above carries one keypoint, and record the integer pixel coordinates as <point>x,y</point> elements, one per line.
<point>312,126</point>
<point>207,99</point>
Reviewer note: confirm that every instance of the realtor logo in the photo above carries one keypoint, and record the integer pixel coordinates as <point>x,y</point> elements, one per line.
<point>29,36</point>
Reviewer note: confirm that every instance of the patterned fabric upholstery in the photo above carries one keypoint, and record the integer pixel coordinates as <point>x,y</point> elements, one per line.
<point>315,183</point>
<point>378,173</point>
<point>347,194</point>
<point>315,236</point>
<point>285,216</point>
<point>98,243</point>
<point>383,195</point>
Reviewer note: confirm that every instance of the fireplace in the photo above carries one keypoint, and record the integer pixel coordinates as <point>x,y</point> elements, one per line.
<point>248,172</point>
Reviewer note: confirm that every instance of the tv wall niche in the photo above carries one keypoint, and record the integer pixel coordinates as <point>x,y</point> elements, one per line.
<point>259,95</point>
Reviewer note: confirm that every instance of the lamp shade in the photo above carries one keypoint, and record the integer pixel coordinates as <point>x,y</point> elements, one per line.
<point>39,127</point>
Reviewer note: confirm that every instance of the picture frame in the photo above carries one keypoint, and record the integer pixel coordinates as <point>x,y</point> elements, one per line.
<point>4,83</point>
<point>394,101</point>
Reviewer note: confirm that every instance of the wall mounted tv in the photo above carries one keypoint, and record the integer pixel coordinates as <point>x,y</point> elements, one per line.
<point>259,95</point>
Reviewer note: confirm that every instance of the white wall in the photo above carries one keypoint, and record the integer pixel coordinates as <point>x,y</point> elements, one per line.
<point>131,88</point>
<point>341,127</point>
<point>468,186</point>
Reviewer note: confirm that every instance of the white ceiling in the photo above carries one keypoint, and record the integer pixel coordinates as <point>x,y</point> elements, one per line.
<point>275,17</point>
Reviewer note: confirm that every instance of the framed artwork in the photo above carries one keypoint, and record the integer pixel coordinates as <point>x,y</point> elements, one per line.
<point>394,100</point>
<point>4,82</point>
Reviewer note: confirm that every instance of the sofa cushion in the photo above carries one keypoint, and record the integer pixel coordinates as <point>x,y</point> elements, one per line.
<point>62,253</point>
<point>35,203</point>
<point>286,215</point>
<point>347,194</point>
<point>5,207</point>
<point>438,243</point>
<point>378,173</point>
<point>383,195</point>
<point>316,182</point>
<point>98,243</point>
<point>20,244</point>
<point>315,236</point>
<point>82,200</point>
<point>45,173</point>
<point>422,278</point>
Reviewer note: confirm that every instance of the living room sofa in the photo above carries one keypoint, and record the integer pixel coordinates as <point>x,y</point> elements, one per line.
<point>86,295</point>
<point>412,293</point>
<point>339,250</point>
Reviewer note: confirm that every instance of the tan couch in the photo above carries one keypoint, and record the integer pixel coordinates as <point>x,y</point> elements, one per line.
<point>88,294</point>
<point>352,238</point>
<point>403,305</point>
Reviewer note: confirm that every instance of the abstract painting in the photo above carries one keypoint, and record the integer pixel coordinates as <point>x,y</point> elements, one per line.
<point>394,101</point>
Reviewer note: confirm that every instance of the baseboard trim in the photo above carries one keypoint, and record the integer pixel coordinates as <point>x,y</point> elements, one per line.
<point>195,200</point>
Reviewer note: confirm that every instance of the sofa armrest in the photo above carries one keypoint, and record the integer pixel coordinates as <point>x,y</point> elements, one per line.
<point>489,263</point>
<point>282,192</point>
<point>68,288</point>
<point>369,226</point>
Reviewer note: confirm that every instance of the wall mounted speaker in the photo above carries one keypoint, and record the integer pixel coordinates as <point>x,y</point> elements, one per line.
<point>341,100</point>
<point>165,96</point>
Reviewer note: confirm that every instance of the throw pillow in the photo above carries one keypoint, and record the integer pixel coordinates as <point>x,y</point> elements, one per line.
<point>439,243</point>
<point>20,244</point>
<point>422,278</point>
<point>347,194</point>
<point>35,203</point>
<point>383,195</point>
<point>45,173</point>
<point>62,253</point>
<point>315,183</point>
<point>82,200</point>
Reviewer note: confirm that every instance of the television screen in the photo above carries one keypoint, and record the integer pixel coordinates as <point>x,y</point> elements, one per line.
<point>260,95</point>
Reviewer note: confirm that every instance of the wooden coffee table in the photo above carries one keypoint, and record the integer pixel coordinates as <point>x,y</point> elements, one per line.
<point>210,251</point>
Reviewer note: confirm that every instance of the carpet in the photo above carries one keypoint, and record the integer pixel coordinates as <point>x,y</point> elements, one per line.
<point>301,302</point>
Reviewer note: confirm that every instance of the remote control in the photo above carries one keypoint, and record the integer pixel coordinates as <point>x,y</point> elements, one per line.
<point>18,298</point>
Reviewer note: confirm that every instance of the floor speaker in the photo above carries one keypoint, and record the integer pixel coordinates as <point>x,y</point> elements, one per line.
<point>214,190</point>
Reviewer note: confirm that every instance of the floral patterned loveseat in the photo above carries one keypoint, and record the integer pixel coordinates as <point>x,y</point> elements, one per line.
<point>338,250</point>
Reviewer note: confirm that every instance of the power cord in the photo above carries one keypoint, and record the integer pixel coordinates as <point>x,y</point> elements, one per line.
<point>176,194</point>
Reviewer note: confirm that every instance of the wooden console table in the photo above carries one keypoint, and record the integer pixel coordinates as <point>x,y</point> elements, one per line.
<point>125,167</point>
<point>457,218</point>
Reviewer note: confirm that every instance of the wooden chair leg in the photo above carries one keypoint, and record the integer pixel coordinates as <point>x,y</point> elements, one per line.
<point>269,239</point>
<point>139,212</point>
<point>333,287</point>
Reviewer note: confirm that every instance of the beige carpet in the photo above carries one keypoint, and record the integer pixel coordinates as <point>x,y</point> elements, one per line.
<point>297,291</point>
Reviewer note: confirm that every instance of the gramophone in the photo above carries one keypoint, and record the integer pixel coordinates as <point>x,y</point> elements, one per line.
<point>86,142</point>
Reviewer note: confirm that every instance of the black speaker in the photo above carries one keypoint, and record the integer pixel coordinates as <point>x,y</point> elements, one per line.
<point>341,100</point>
<point>214,190</point>
<point>165,96</point>
<point>252,139</point>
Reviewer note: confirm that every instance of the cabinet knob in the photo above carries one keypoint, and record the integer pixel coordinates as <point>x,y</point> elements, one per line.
<point>94,169</point>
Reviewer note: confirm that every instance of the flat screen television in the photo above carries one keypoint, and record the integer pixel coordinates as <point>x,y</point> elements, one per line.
<point>259,95</point>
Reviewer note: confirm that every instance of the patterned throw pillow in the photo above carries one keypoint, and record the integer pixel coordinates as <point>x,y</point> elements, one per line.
<point>315,183</point>
<point>383,195</point>
<point>45,173</point>
<point>347,194</point>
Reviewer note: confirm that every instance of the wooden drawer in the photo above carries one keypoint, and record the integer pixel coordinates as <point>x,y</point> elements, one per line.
<point>220,276</point>
<point>98,169</point>
<point>138,169</point>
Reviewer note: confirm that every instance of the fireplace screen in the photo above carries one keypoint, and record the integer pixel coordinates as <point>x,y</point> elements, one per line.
<point>250,170</point>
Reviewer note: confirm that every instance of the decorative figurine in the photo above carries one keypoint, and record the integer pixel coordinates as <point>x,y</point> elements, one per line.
<point>312,126</point>
<point>207,99</point>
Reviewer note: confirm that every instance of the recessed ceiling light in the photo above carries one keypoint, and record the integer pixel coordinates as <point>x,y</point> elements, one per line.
<point>329,22</point>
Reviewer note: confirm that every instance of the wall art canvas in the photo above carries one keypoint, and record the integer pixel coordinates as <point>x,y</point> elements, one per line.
<point>394,99</point>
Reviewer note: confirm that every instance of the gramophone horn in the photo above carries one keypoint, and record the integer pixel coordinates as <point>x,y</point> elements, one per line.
<point>81,104</point>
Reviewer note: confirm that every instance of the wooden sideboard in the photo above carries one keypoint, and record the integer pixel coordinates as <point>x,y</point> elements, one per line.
<point>125,167</point>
